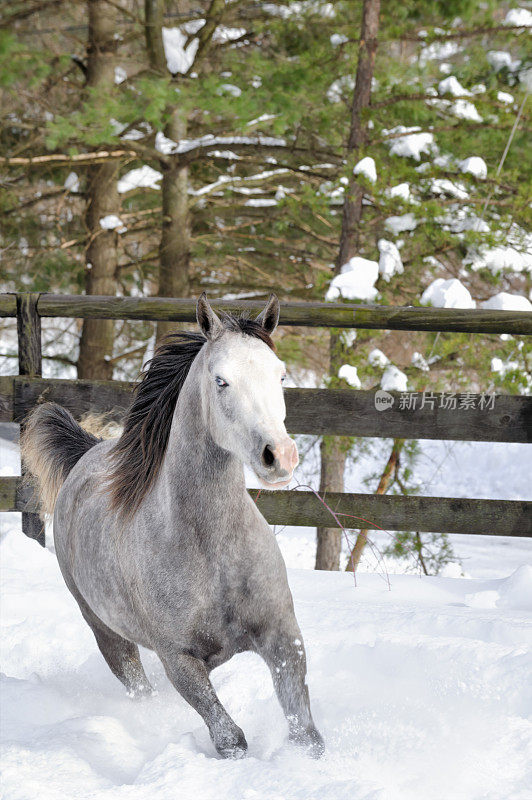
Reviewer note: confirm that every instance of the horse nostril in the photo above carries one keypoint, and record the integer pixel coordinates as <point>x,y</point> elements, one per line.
<point>268,456</point>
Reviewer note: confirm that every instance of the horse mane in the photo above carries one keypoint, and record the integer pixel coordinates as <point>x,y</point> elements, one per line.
<point>138,455</point>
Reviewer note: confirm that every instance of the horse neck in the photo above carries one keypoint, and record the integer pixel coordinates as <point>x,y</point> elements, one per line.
<point>194,465</point>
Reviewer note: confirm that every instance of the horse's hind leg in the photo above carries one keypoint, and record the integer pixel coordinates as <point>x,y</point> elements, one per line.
<point>190,678</point>
<point>121,655</point>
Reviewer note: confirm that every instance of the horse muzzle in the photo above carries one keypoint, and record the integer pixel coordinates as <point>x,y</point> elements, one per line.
<point>278,463</point>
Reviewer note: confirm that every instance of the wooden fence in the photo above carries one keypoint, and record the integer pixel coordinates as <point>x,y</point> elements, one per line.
<point>466,416</point>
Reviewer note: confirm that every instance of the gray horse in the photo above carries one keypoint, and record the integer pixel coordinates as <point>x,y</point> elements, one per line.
<point>156,536</point>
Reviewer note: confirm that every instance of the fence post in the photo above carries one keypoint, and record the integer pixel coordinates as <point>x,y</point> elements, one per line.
<point>30,363</point>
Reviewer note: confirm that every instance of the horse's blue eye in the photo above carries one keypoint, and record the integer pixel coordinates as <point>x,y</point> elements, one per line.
<point>220,381</point>
<point>283,378</point>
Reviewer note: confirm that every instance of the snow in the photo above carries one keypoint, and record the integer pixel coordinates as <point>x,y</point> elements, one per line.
<point>339,87</point>
<point>209,140</point>
<point>72,182</point>
<point>298,7</point>
<point>402,190</point>
<point>444,161</point>
<point>337,39</point>
<point>144,177</point>
<point>458,220</point>
<point>178,57</point>
<point>349,337</point>
<point>366,167</point>
<point>519,16</point>
<point>446,186</point>
<point>227,154</point>
<point>404,222</point>
<point>412,144</point>
<point>475,165</point>
<point>502,367</point>
<point>120,75</point>
<point>390,262</point>
<point>421,691</point>
<point>500,258</point>
<point>499,59</point>
<point>465,110</point>
<point>262,118</point>
<point>223,34</point>
<point>230,89</point>
<point>377,358</point>
<point>393,380</point>
<point>452,85</point>
<point>505,97</point>
<point>350,375</point>
<point>419,361</point>
<point>165,145</point>
<point>515,590</point>
<point>508,302</point>
<point>111,222</point>
<point>438,51</point>
<point>261,203</point>
<point>355,281</point>
<point>447,294</point>
<point>134,135</point>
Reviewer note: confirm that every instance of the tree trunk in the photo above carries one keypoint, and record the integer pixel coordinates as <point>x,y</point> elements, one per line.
<point>384,484</point>
<point>96,346</point>
<point>333,456</point>
<point>352,210</point>
<point>174,248</point>
<point>153,23</point>
<point>329,541</point>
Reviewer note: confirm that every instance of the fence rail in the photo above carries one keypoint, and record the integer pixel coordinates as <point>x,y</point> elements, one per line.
<point>455,515</point>
<point>467,416</point>
<point>343,412</point>
<point>335,315</point>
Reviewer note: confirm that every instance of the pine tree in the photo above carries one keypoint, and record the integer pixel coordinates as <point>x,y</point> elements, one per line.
<point>272,85</point>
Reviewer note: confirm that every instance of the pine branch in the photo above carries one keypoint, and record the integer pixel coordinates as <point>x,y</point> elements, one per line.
<point>24,13</point>
<point>213,17</point>
<point>467,34</point>
<point>62,159</point>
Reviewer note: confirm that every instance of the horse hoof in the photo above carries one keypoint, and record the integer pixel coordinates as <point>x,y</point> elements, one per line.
<point>140,691</point>
<point>232,746</point>
<point>311,741</point>
<point>233,752</point>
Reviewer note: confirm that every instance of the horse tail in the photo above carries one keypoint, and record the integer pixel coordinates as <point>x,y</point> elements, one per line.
<point>52,442</point>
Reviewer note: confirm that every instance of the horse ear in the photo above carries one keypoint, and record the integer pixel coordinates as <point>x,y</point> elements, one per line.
<point>269,316</point>
<point>207,320</point>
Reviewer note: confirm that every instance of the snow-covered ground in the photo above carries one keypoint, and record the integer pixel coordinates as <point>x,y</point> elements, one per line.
<point>421,690</point>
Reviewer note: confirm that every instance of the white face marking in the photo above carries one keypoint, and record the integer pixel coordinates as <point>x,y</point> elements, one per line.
<point>244,402</point>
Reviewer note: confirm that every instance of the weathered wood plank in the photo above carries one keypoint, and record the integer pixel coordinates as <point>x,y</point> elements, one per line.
<point>8,305</point>
<point>111,398</point>
<point>397,513</point>
<point>411,415</point>
<point>306,314</point>
<point>15,495</point>
<point>29,363</point>
<point>393,513</point>
<point>343,412</point>
<point>29,334</point>
<point>7,391</point>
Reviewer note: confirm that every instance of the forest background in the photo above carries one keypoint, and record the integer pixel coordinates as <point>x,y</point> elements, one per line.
<point>365,151</point>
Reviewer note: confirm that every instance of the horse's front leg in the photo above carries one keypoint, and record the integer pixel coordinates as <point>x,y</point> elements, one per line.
<point>190,678</point>
<point>284,653</point>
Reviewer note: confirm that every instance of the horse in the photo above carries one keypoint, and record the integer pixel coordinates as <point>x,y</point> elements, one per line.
<point>156,536</point>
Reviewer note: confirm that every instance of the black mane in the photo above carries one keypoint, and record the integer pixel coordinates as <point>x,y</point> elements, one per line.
<point>138,455</point>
